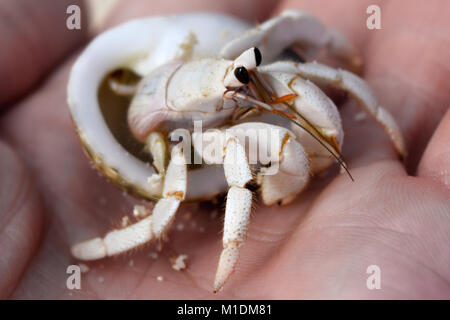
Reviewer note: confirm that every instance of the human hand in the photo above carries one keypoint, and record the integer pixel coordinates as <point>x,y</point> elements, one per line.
<point>317,247</point>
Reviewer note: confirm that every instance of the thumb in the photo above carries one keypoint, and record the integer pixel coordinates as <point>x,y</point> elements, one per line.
<point>20,220</point>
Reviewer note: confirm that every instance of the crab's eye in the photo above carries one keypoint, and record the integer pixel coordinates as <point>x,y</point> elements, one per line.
<point>242,75</point>
<point>258,56</point>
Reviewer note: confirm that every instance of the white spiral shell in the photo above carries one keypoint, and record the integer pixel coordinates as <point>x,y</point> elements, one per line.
<point>142,45</point>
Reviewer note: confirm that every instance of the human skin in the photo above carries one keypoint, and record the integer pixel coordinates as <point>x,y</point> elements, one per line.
<point>396,215</point>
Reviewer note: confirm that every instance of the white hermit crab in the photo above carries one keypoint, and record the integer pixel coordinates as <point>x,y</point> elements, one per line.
<point>215,69</point>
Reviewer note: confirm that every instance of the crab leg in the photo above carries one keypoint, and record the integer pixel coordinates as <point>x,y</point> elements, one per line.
<point>323,75</point>
<point>237,211</point>
<point>359,90</point>
<point>151,227</point>
<point>293,27</point>
<point>282,181</point>
<point>158,149</point>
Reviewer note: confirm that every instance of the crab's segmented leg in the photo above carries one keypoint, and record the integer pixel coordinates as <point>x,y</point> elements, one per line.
<point>237,211</point>
<point>343,80</point>
<point>158,150</point>
<point>293,27</point>
<point>151,227</point>
<point>359,90</point>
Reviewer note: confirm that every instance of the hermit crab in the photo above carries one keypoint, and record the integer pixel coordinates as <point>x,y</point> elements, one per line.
<point>180,73</point>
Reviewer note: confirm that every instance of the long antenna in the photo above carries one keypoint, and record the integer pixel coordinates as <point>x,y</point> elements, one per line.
<point>263,93</point>
<point>339,158</point>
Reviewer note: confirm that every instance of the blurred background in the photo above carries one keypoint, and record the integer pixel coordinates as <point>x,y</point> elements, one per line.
<point>98,10</point>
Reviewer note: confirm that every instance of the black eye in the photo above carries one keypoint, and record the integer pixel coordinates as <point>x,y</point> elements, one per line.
<point>242,75</point>
<point>258,56</point>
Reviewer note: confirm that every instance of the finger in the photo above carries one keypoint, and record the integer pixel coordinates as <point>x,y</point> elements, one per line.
<point>408,66</point>
<point>405,61</point>
<point>435,163</point>
<point>34,38</point>
<point>20,220</point>
<point>253,10</point>
<point>365,142</point>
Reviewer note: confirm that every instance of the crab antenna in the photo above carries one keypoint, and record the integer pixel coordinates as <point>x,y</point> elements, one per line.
<point>244,97</point>
<point>339,158</point>
<point>335,146</point>
<point>291,118</point>
<point>265,94</point>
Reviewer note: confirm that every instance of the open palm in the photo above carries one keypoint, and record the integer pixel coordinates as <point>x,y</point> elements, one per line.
<point>318,247</point>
